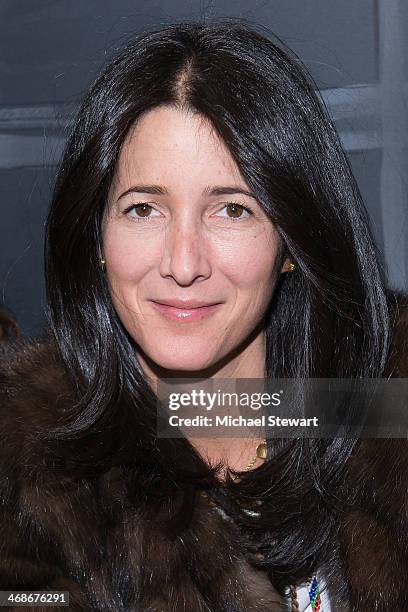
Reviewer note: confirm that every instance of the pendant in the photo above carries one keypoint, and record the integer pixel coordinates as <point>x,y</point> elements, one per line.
<point>262,450</point>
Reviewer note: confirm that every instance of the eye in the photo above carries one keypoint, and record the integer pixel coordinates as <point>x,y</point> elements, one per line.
<point>142,212</point>
<point>238,211</point>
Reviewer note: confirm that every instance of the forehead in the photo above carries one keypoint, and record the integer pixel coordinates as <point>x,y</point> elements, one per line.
<point>176,146</point>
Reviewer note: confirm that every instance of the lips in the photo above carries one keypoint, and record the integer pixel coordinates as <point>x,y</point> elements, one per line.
<point>188,304</point>
<point>183,311</point>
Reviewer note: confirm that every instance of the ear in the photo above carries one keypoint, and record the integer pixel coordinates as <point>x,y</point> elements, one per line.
<point>286,265</point>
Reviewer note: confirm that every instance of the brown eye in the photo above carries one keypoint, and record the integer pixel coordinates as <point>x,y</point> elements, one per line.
<point>236,210</point>
<point>143,210</point>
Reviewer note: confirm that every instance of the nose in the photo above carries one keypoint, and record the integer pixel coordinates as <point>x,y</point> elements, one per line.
<point>186,254</point>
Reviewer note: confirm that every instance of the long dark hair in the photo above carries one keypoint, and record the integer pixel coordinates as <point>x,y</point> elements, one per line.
<point>329,318</point>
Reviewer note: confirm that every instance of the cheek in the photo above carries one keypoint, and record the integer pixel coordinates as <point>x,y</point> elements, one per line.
<point>250,262</point>
<point>246,260</point>
<point>128,258</point>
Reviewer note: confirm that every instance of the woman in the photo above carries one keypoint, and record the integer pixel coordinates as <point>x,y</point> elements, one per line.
<point>205,223</point>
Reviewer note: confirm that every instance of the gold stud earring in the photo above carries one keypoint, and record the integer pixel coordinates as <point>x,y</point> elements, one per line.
<point>292,267</point>
<point>103,265</point>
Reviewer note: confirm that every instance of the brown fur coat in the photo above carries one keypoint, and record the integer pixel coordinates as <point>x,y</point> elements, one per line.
<point>86,538</point>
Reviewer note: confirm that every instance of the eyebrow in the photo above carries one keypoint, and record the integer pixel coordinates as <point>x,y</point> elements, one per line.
<point>208,191</point>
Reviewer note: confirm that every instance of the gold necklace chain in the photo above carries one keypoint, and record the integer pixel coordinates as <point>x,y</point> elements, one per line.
<point>261,453</point>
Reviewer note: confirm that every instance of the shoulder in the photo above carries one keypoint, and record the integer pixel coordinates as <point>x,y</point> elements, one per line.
<point>32,375</point>
<point>35,394</point>
<point>380,465</point>
<point>48,520</point>
<point>371,529</point>
<point>28,360</point>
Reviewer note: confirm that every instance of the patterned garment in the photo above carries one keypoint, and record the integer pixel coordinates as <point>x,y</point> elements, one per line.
<point>304,599</point>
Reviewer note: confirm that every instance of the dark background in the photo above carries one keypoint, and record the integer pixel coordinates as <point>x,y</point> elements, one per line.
<point>357,51</point>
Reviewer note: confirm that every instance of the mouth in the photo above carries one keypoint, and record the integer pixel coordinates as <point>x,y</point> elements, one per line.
<point>185,313</point>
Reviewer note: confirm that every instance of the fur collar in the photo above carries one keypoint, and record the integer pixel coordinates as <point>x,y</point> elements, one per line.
<point>87,538</point>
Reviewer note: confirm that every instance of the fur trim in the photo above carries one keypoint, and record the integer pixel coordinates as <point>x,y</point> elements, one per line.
<point>87,538</point>
<point>371,537</point>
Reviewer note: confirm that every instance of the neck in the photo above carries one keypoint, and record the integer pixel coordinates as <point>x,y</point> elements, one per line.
<point>247,361</point>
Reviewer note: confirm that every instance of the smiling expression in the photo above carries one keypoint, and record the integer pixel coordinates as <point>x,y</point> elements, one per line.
<point>181,227</point>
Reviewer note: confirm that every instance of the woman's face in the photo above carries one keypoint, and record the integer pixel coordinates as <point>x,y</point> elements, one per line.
<point>180,228</point>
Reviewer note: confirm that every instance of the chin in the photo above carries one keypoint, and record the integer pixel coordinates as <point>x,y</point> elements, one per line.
<point>190,361</point>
